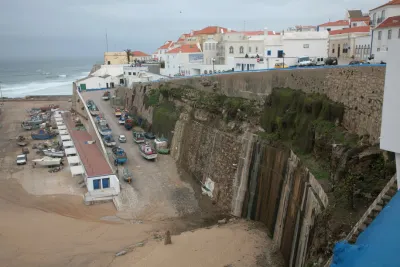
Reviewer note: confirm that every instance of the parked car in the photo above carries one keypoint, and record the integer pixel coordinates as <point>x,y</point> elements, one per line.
<point>22,159</point>
<point>122,138</point>
<point>331,61</point>
<point>358,62</point>
<point>281,66</point>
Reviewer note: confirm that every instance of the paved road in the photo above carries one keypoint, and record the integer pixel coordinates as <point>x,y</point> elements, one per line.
<point>156,192</point>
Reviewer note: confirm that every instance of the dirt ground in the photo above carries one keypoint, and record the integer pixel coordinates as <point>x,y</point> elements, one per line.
<point>45,223</point>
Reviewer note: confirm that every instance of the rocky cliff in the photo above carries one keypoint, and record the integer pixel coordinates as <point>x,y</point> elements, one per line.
<point>276,146</point>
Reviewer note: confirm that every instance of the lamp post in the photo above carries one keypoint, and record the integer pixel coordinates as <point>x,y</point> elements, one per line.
<point>179,67</point>
<point>283,56</point>
<point>213,62</point>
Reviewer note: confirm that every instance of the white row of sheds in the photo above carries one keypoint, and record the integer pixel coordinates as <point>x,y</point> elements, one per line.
<point>74,162</point>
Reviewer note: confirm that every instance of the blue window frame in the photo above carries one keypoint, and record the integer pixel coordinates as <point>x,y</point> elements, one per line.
<point>96,184</point>
<point>268,52</point>
<point>105,182</point>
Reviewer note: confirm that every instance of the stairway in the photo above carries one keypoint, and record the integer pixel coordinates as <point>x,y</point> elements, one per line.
<point>372,212</point>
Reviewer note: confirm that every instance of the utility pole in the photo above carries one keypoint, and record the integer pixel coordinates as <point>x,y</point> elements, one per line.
<point>106,41</point>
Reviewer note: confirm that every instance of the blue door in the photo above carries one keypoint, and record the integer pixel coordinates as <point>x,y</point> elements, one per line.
<point>106,182</point>
<point>96,184</point>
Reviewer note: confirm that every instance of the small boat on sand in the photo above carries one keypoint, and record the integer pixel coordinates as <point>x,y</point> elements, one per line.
<point>147,151</point>
<point>138,137</point>
<point>53,153</point>
<point>47,161</point>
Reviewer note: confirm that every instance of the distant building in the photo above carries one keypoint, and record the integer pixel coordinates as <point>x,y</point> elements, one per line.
<point>334,25</point>
<point>118,58</point>
<point>381,13</point>
<point>293,45</point>
<point>386,31</point>
<point>178,59</point>
<point>108,76</point>
<point>159,54</point>
<point>385,26</point>
<point>343,43</point>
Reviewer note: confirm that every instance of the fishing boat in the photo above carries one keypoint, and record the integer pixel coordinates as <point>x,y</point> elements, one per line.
<point>147,151</point>
<point>93,109</point>
<point>109,140</point>
<point>43,135</point>
<point>53,153</point>
<point>138,137</point>
<point>149,136</point>
<point>119,156</point>
<point>102,126</point>
<point>118,113</point>
<point>47,161</point>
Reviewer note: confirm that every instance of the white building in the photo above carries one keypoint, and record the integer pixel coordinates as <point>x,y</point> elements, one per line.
<point>139,74</point>
<point>108,76</point>
<point>385,23</point>
<point>347,44</point>
<point>390,129</point>
<point>178,60</point>
<point>381,13</point>
<point>159,54</point>
<point>386,31</point>
<point>293,45</point>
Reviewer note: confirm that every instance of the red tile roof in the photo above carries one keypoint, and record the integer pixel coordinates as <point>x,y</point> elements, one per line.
<point>139,54</point>
<point>183,36</point>
<point>390,22</point>
<point>166,45</point>
<point>187,48</point>
<point>211,30</point>
<point>252,33</point>
<point>335,23</point>
<point>351,30</point>
<point>390,3</point>
<point>92,158</point>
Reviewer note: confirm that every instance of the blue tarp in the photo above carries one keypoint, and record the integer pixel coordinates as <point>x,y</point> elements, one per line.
<point>378,245</point>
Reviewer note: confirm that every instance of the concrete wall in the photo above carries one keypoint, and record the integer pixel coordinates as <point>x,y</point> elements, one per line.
<point>359,88</point>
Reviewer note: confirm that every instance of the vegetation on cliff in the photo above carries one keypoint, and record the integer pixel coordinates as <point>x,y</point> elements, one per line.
<point>352,172</point>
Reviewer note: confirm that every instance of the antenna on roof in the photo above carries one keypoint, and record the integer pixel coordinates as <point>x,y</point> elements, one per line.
<point>106,42</point>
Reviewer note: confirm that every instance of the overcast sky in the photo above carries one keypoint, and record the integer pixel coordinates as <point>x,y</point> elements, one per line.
<point>37,28</point>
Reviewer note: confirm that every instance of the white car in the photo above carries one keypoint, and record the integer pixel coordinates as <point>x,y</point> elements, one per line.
<point>21,159</point>
<point>122,138</point>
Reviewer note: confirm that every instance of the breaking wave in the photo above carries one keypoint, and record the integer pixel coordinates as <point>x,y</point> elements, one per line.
<point>46,87</point>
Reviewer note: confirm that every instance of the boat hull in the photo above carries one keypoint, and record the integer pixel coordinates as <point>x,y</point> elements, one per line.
<point>56,154</point>
<point>41,137</point>
<point>47,162</point>
<point>148,156</point>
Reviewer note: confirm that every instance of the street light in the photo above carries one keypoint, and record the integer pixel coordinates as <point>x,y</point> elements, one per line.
<point>283,56</point>
<point>179,66</point>
<point>213,62</point>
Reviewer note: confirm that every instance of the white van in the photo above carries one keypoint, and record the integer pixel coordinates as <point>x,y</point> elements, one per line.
<point>304,61</point>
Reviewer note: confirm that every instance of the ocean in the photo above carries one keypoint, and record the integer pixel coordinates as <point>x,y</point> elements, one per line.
<point>19,78</point>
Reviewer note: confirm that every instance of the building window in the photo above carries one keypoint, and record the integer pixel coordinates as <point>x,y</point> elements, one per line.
<point>249,49</point>
<point>374,18</point>
<point>354,24</point>
<point>231,50</point>
<point>306,45</point>
<point>129,73</point>
<point>389,34</point>
<point>383,15</point>
<point>121,81</point>
<point>379,35</point>
<point>378,49</point>
<point>328,29</point>
<point>257,46</point>
<point>241,50</point>
<point>268,52</point>
<point>398,35</point>
<point>105,182</point>
<point>213,46</point>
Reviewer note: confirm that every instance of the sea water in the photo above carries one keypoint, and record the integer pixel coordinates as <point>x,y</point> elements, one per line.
<point>19,78</point>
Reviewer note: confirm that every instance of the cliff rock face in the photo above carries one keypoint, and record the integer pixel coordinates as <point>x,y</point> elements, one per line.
<point>260,143</point>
